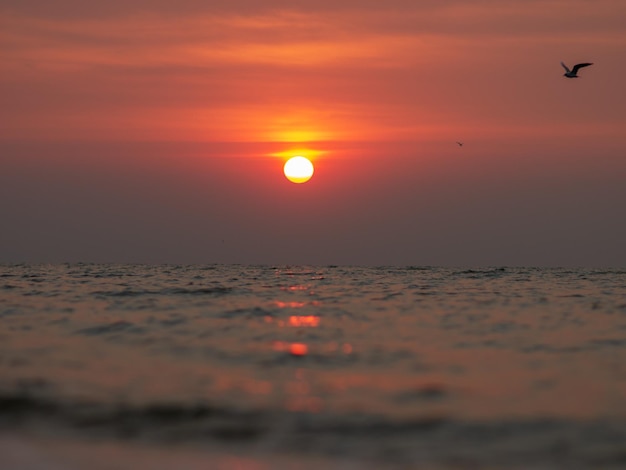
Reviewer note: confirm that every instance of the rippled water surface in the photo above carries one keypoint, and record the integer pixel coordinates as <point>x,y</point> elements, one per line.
<point>443,368</point>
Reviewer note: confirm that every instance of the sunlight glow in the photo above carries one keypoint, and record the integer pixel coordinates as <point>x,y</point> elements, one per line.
<point>298,169</point>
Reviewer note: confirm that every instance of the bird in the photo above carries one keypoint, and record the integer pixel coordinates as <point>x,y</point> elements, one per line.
<point>460,144</point>
<point>572,73</point>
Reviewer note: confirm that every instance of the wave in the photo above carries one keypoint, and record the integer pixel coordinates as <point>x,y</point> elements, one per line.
<point>201,291</point>
<point>428,438</point>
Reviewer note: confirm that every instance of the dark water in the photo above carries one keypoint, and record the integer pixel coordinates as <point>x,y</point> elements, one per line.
<point>387,367</point>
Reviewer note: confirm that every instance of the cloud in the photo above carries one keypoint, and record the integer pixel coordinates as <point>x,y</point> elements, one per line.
<point>322,36</point>
<point>249,70</point>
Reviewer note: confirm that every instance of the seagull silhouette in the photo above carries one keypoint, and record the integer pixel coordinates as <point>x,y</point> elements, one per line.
<point>460,144</point>
<point>572,73</point>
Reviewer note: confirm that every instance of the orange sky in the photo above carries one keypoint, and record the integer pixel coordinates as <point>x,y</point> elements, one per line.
<point>380,92</point>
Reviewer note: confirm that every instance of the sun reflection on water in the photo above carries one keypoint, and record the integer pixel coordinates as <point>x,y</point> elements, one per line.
<point>295,288</point>
<point>280,304</point>
<point>294,349</point>
<point>304,320</point>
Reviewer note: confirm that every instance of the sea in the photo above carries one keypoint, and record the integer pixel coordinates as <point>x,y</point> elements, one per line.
<point>111,366</point>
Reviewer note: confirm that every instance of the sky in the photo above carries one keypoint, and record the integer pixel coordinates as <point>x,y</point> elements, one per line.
<point>153,131</point>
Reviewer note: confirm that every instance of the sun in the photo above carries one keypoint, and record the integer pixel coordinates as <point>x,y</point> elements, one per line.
<point>298,169</point>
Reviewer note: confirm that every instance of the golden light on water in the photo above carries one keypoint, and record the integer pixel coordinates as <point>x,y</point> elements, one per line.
<point>304,320</point>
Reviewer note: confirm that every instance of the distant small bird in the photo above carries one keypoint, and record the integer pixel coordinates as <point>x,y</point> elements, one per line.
<point>572,73</point>
<point>460,144</point>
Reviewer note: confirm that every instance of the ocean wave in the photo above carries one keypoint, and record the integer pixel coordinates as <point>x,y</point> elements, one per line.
<point>199,291</point>
<point>429,438</point>
<point>468,368</point>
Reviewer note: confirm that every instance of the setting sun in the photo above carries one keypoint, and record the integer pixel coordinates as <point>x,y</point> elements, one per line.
<point>298,169</point>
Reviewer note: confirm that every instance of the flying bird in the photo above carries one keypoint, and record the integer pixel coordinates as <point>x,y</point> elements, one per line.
<point>572,73</point>
<point>460,144</point>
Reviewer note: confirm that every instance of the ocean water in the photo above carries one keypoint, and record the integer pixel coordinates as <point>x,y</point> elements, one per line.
<point>260,367</point>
